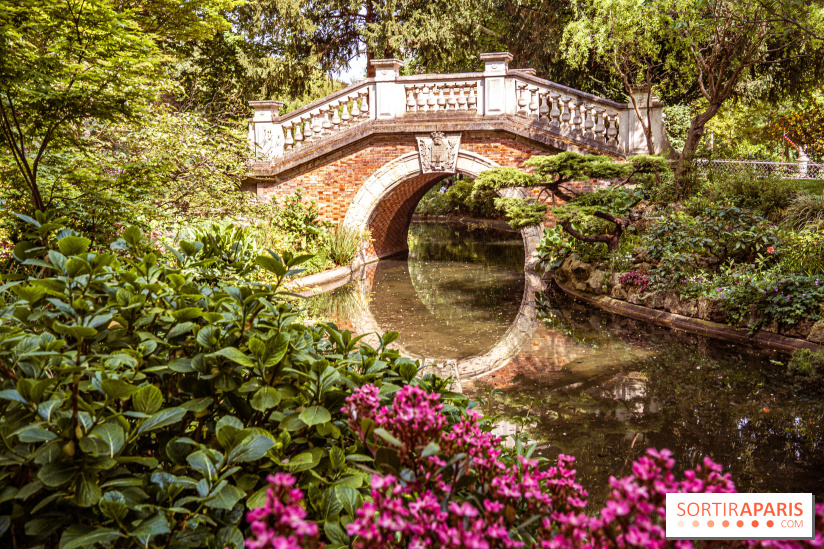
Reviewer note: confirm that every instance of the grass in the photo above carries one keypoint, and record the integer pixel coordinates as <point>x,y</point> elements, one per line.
<point>812,186</point>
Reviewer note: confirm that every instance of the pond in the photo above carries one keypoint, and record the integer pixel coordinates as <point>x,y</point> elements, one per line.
<point>577,380</point>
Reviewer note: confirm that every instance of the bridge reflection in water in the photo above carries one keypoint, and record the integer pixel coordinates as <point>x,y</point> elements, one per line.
<point>579,381</point>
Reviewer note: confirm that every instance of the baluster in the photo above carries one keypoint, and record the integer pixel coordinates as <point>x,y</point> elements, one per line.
<point>410,98</point>
<point>431,100</point>
<point>335,116</point>
<point>344,114</point>
<point>452,101</point>
<point>566,116</point>
<point>472,100</point>
<point>307,129</point>
<point>576,118</point>
<point>555,113</point>
<point>599,124</point>
<point>441,97</point>
<point>326,124</point>
<point>308,134</point>
<point>421,99</point>
<point>589,112</point>
<point>461,98</point>
<point>612,132</point>
<point>522,100</point>
<point>533,102</point>
<point>317,126</point>
<point>355,109</point>
<point>299,133</point>
<point>288,142</point>
<point>365,104</point>
<point>543,111</point>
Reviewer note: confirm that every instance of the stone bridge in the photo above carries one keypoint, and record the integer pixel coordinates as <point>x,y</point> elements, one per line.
<point>369,152</point>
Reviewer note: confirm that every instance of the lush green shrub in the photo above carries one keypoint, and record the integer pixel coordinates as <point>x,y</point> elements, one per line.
<point>140,408</point>
<point>802,252</point>
<point>344,244</point>
<point>766,196</point>
<point>299,219</point>
<point>719,234</point>
<point>777,297</point>
<point>225,253</point>
<point>808,364</point>
<point>805,211</point>
<point>294,226</point>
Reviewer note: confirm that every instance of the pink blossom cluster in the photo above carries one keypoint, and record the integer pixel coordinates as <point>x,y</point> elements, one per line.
<point>457,490</point>
<point>6,248</point>
<point>281,522</point>
<point>634,513</point>
<point>635,278</point>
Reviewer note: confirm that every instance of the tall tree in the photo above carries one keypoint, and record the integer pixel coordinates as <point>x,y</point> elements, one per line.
<point>631,49</point>
<point>531,31</point>
<point>298,36</point>
<point>64,63</point>
<point>69,68</point>
<point>713,46</point>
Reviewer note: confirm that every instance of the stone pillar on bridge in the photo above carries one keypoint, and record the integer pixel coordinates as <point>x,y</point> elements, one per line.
<point>265,136</point>
<point>388,99</point>
<point>632,130</point>
<point>496,84</point>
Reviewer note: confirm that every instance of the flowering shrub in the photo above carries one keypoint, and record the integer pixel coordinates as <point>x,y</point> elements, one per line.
<point>456,488</point>
<point>281,522</point>
<point>5,250</point>
<point>635,278</point>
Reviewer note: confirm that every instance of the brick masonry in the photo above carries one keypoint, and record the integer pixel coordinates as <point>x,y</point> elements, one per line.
<point>335,183</point>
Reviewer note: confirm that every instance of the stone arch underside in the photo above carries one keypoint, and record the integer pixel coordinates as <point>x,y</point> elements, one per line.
<point>385,202</point>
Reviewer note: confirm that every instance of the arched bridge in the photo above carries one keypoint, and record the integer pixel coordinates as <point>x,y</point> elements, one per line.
<point>369,152</point>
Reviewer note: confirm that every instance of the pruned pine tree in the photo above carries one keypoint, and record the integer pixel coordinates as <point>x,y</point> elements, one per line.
<point>582,213</point>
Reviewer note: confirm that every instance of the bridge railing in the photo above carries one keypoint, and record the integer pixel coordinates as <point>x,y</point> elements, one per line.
<point>497,91</point>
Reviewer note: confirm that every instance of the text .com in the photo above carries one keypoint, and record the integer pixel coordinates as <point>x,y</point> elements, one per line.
<point>740,516</point>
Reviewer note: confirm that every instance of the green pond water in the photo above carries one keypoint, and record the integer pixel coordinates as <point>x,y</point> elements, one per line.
<point>577,380</point>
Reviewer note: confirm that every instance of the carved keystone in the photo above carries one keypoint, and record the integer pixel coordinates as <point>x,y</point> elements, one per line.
<point>438,152</point>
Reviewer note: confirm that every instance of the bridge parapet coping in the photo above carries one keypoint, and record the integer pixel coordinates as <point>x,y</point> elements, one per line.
<point>497,91</point>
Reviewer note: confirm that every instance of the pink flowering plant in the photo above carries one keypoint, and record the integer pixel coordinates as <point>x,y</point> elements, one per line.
<point>438,483</point>
<point>636,279</point>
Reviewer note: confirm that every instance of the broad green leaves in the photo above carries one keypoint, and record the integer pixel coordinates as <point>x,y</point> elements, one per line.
<point>187,398</point>
<point>315,415</point>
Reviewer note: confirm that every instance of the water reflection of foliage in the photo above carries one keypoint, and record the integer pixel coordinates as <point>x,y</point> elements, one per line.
<point>468,276</point>
<point>695,396</point>
<point>457,242</point>
<point>340,304</point>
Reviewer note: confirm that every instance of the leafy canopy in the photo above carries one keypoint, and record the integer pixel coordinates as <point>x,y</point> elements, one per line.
<point>64,65</point>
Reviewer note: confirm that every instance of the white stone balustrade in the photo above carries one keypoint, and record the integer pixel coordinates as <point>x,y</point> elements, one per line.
<point>497,91</point>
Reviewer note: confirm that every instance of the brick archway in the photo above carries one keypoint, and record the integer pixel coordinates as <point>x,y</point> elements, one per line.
<point>384,204</point>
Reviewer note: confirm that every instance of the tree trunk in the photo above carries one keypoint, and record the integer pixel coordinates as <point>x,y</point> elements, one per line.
<point>370,55</point>
<point>694,135</point>
<point>611,239</point>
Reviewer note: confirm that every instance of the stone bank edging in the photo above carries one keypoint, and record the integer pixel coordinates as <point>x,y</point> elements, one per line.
<point>690,324</point>
<point>310,285</point>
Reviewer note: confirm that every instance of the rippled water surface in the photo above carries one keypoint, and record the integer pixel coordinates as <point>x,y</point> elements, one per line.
<point>580,381</point>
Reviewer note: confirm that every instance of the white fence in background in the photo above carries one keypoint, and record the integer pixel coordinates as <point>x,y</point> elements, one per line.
<point>804,169</point>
